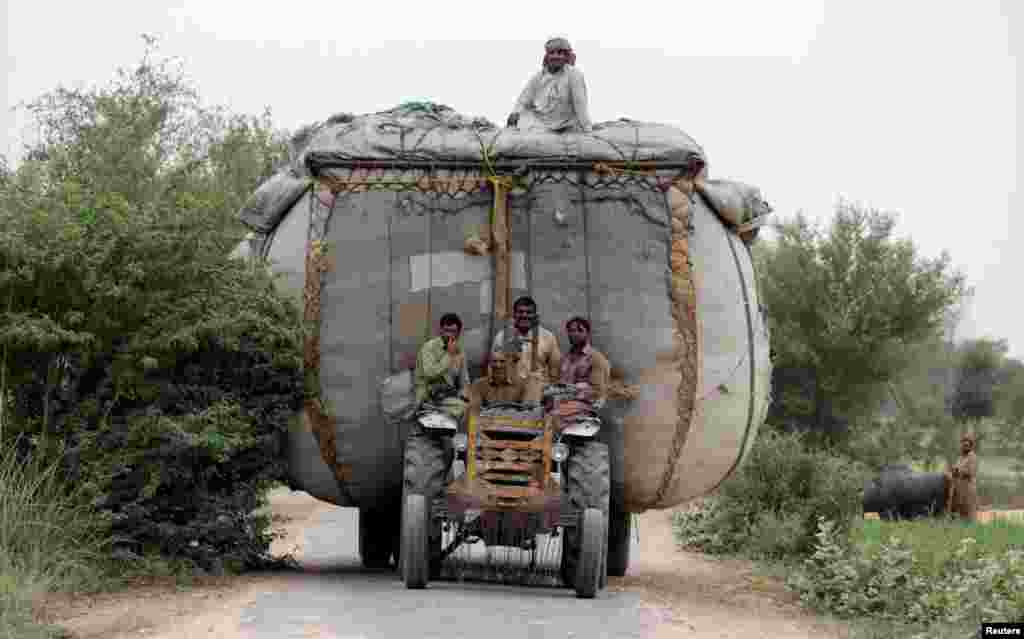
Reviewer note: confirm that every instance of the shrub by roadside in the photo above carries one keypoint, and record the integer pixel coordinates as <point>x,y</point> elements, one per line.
<point>770,507</point>
<point>895,583</point>
<point>181,474</point>
<point>801,506</point>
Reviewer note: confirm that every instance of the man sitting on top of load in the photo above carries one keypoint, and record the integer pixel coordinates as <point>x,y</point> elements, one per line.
<point>555,99</point>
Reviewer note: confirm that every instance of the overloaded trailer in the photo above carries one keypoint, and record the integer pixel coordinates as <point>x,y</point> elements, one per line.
<point>384,222</point>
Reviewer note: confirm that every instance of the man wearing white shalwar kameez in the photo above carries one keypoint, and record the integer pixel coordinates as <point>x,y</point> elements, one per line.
<point>555,99</point>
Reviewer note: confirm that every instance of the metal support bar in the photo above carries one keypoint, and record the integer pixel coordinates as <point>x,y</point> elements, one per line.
<point>461,536</point>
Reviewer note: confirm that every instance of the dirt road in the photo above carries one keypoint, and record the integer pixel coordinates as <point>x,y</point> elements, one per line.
<point>667,594</point>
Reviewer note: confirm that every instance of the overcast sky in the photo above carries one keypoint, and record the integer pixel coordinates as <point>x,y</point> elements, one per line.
<point>908,106</point>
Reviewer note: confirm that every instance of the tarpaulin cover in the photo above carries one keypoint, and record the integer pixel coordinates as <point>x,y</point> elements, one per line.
<point>439,132</point>
<point>608,253</point>
<point>265,208</point>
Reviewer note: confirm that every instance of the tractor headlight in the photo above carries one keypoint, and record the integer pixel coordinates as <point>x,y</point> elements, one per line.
<point>460,441</point>
<point>559,452</point>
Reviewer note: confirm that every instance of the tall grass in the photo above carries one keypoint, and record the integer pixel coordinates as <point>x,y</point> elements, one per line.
<point>49,540</point>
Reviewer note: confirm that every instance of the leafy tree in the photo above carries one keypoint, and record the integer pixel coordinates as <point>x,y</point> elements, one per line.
<point>168,371</point>
<point>148,140</point>
<point>1009,395</point>
<point>846,305</point>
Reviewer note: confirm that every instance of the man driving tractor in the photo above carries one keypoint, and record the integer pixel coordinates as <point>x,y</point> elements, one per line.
<point>502,383</point>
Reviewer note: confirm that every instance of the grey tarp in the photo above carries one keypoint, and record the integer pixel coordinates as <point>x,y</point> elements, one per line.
<point>275,197</point>
<point>438,132</point>
<point>425,132</point>
<point>735,202</point>
<point>577,248</point>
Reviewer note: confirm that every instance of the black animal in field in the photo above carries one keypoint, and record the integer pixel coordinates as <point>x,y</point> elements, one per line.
<point>898,492</point>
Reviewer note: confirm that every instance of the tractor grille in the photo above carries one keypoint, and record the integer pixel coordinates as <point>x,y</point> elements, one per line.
<point>510,450</point>
<point>500,461</point>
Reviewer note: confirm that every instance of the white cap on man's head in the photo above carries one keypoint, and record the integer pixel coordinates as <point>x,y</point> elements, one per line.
<point>557,42</point>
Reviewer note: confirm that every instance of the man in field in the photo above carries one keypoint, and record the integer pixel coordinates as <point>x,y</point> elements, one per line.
<point>555,99</point>
<point>962,478</point>
<point>441,376</point>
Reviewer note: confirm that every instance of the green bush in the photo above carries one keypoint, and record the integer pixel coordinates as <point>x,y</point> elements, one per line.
<point>895,583</point>
<point>167,371</point>
<point>770,507</point>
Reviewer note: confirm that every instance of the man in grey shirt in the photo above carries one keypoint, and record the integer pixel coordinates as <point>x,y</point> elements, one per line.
<point>555,99</point>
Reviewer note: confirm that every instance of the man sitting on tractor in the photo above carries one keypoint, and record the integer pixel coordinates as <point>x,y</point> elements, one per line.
<point>441,375</point>
<point>502,384</point>
<point>539,352</point>
<point>584,368</point>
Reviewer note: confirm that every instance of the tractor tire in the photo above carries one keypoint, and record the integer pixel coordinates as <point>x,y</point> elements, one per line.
<point>587,484</point>
<point>619,529</point>
<point>379,537</point>
<point>591,563</point>
<point>427,459</point>
<point>415,542</point>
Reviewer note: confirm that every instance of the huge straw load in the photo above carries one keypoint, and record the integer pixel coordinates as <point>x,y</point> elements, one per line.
<point>383,222</point>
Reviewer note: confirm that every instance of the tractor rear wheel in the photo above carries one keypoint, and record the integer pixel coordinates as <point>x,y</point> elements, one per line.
<point>415,553</point>
<point>619,529</point>
<point>591,561</point>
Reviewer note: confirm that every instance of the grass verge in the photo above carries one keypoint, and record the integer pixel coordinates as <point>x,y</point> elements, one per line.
<point>48,541</point>
<point>53,540</point>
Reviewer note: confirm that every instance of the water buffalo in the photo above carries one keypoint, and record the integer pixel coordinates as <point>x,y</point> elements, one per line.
<point>900,493</point>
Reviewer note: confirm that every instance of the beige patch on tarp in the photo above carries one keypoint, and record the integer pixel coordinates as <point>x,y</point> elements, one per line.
<point>413,319</point>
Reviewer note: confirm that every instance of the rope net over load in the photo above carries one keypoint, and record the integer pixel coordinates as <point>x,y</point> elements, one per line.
<point>428,147</point>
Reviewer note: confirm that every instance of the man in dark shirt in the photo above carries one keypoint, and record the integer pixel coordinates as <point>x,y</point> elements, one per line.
<point>584,367</point>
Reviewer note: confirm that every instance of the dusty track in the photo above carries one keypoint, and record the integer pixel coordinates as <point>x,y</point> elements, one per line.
<point>696,596</point>
<point>681,595</point>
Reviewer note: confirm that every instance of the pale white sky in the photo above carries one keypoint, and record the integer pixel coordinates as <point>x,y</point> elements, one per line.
<point>909,106</point>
